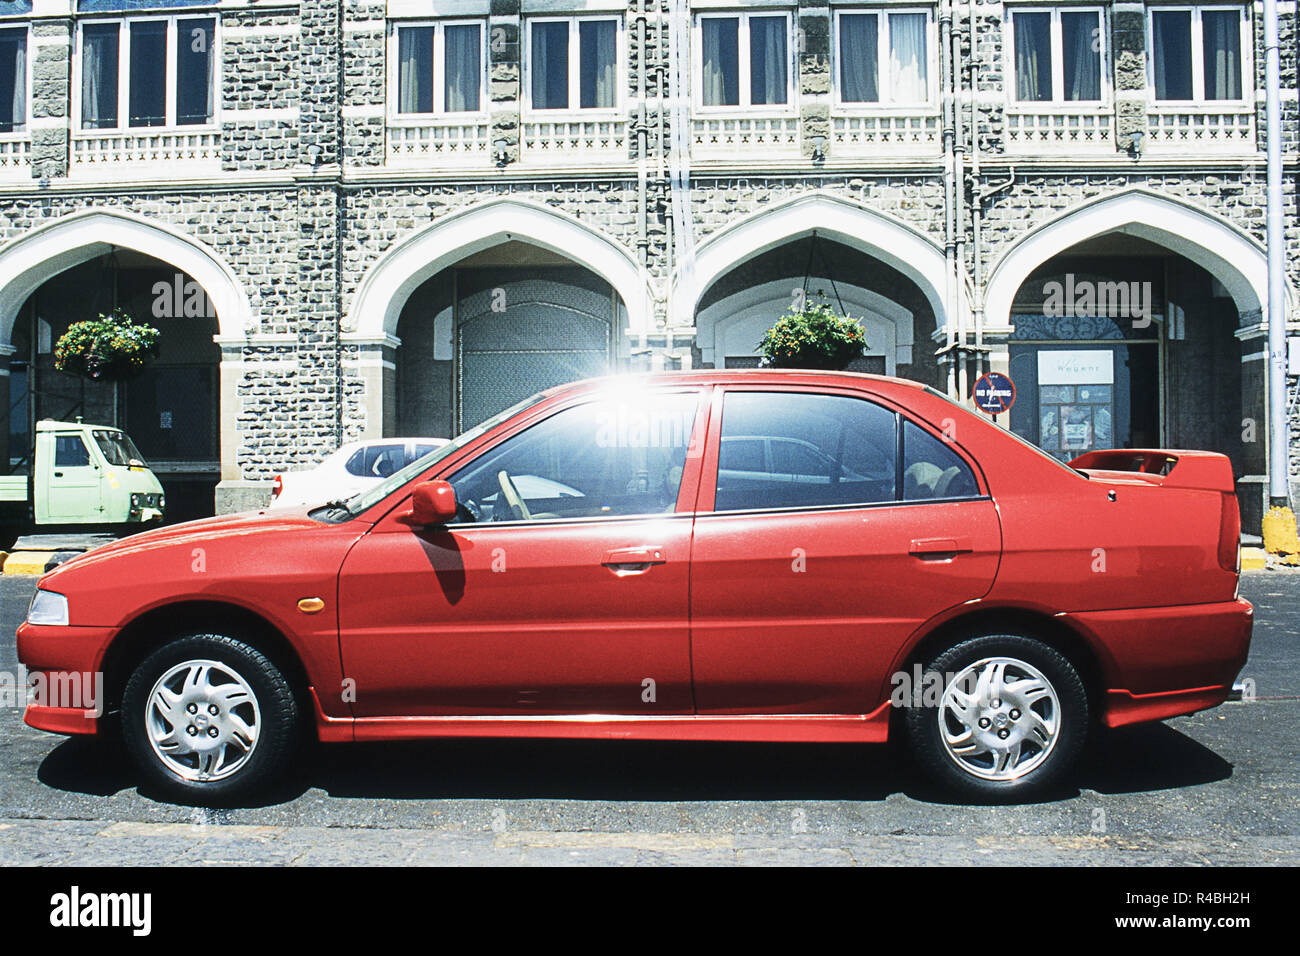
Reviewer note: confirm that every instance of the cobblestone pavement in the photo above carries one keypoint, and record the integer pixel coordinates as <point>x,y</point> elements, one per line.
<point>1219,787</point>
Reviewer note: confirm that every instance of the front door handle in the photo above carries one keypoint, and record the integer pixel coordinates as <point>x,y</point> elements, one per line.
<point>931,549</point>
<point>633,560</point>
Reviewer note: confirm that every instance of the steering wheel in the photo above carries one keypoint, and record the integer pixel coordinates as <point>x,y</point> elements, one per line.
<point>511,494</point>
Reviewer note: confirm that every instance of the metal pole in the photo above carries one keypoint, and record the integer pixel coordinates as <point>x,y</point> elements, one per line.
<point>1278,424</point>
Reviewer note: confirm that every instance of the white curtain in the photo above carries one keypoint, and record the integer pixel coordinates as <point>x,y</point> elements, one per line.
<point>1082,64</point>
<point>908,79</point>
<point>463,67</point>
<point>859,56</point>
<point>768,59</point>
<point>597,39</point>
<point>99,76</point>
<point>1221,40</point>
<point>1033,35</point>
<point>415,70</point>
<point>721,70</point>
<point>1172,45</point>
<point>550,66</point>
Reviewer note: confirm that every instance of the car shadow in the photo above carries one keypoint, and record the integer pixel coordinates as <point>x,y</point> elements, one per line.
<point>1131,760</point>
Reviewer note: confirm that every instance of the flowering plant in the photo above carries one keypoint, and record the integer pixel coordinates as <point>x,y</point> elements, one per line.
<point>813,337</point>
<point>113,346</point>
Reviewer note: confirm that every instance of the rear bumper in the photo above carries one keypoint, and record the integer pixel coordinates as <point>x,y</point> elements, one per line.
<point>1169,661</point>
<point>65,663</point>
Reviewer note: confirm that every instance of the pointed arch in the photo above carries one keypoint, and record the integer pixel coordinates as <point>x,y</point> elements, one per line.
<point>29,261</point>
<point>880,236</point>
<point>1229,254</point>
<point>397,273</point>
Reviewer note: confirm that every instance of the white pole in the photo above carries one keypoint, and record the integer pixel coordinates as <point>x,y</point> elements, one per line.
<point>1278,425</point>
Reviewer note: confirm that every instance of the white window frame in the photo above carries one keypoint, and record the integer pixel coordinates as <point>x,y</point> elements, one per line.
<point>884,104</point>
<point>1245,50</point>
<point>439,72</point>
<point>124,75</point>
<point>22,130</point>
<point>743,91</point>
<point>1058,100</point>
<point>575,76</point>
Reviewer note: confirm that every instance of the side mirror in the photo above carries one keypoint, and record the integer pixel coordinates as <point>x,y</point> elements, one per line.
<point>432,502</point>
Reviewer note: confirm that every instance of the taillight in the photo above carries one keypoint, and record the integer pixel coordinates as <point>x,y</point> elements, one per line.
<point>1230,534</point>
<point>276,486</point>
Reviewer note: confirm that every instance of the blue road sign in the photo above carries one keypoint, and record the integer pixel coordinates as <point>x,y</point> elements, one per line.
<point>994,393</point>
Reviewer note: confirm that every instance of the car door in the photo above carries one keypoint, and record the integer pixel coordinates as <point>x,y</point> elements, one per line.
<point>806,585</point>
<point>561,588</point>
<point>74,485</point>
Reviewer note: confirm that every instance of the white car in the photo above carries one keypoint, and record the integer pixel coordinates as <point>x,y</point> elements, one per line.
<point>356,466</point>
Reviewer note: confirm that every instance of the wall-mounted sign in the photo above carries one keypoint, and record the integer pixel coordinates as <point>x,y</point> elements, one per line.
<point>1076,367</point>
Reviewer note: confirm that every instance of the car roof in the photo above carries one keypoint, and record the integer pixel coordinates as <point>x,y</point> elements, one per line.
<point>737,376</point>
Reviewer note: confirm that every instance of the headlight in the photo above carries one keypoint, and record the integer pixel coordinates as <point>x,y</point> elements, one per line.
<point>136,500</point>
<point>48,608</point>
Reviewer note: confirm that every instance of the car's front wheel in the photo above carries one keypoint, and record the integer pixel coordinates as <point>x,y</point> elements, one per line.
<point>1006,717</point>
<point>209,717</point>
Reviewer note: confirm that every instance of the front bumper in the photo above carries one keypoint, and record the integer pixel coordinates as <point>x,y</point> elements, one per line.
<point>62,654</point>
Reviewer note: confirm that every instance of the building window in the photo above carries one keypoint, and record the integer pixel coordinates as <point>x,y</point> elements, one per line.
<point>152,72</point>
<point>573,63</point>
<point>13,79</point>
<point>440,68</point>
<point>1058,54</point>
<point>1196,53</point>
<point>744,60</point>
<point>883,57</point>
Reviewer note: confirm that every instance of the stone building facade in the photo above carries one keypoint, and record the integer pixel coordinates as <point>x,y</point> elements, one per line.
<point>404,215</point>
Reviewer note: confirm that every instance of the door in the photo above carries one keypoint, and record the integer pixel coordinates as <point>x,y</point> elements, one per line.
<point>560,589</point>
<point>806,580</point>
<point>522,330</point>
<point>74,485</point>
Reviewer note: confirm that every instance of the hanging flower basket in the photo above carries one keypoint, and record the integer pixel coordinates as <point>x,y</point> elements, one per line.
<point>814,337</point>
<point>112,347</point>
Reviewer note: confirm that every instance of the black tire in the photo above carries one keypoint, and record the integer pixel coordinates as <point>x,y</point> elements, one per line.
<point>277,721</point>
<point>923,722</point>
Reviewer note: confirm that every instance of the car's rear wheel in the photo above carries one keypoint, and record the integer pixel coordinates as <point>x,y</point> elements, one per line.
<point>1006,717</point>
<point>209,717</point>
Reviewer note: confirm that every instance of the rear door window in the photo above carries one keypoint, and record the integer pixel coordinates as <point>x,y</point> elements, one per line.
<point>933,470</point>
<point>824,450</point>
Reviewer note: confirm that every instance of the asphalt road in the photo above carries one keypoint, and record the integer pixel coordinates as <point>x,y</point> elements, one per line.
<point>1220,787</point>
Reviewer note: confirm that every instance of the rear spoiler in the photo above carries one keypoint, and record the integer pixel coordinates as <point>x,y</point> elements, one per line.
<point>1175,468</point>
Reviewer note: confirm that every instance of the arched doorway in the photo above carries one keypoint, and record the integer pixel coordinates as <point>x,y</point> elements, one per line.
<point>1135,321</point>
<point>742,303</point>
<point>82,265</point>
<point>500,299</point>
<point>495,328</point>
<point>885,259</point>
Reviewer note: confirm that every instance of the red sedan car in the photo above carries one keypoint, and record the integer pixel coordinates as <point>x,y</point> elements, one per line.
<point>721,555</point>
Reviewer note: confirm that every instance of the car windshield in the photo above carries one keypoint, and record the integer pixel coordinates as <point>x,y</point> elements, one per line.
<point>118,448</point>
<point>363,500</point>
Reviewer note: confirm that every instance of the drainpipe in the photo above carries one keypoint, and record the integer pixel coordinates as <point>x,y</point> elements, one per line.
<point>958,196</point>
<point>1279,427</point>
<point>977,211</point>
<point>949,196</point>
<point>642,141</point>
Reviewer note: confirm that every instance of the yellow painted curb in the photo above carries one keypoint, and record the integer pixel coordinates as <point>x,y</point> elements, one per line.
<point>28,562</point>
<point>1253,559</point>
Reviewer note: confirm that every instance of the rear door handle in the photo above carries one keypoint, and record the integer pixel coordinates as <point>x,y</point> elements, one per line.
<point>633,560</point>
<point>929,549</point>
